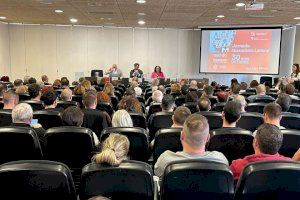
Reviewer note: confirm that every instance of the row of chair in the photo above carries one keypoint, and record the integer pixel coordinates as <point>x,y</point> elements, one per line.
<point>187,179</point>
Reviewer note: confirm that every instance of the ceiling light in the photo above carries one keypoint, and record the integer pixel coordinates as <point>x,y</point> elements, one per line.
<point>109,18</point>
<point>141,1</point>
<point>296,17</point>
<point>59,11</point>
<point>2,17</point>
<point>73,20</point>
<point>240,4</point>
<point>220,16</point>
<point>216,20</point>
<point>141,14</point>
<point>141,22</point>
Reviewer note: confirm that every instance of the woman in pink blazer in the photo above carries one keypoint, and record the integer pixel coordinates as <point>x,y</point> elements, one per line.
<point>157,73</point>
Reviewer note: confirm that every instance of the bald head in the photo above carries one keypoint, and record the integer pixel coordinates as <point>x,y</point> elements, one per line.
<point>66,94</point>
<point>157,96</point>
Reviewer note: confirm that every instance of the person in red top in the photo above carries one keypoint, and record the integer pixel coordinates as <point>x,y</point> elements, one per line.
<point>266,144</point>
<point>157,73</point>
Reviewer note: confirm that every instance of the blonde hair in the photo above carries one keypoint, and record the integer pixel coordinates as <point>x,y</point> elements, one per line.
<point>109,89</point>
<point>121,118</point>
<point>22,89</point>
<point>114,150</point>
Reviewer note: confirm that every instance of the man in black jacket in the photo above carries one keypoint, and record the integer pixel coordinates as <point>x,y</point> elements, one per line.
<point>136,72</point>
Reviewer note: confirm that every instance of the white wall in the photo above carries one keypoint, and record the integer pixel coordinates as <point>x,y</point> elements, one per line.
<point>4,50</point>
<point>63,50</point>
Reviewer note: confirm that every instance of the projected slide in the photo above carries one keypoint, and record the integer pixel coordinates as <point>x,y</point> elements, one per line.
<point>253,51</point>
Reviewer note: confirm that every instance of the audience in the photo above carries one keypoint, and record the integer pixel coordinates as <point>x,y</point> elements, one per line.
<point>3,89</point>
<point>109,89</point>
<point>290,90</point>
<point>157,96</point>
<point>10,100</point>
<point>254,84</point>
<point>193,85</point>
<point>114,150</point>
<point>204,104</point>
<point>194,136</point>
<point>34,92</point>
<point>222,96</point>
<point>79,90</point>
<point>31,80</point>
<point>103,97</point>
<point>284,100</point>
<point>266,145</point>
<point>130,104</point>
<point>18,83</point>
<point>66,94</point>
<point>260,92</point>
<point>208,91</point>
<point>191,97</point>
<point>230,115</point>
<point>22,89</point>
<point>93,119</point>
<point>138,91</point>
<point>121,118</point>
<point>50,100</point>
<point>45,80</point>
<point>272,115</point>
<point>180,115</point>
<point>241,100</point>
<point>73,116</point>
<point>168,103</point>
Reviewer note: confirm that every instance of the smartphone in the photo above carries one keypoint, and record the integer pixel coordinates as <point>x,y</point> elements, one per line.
<point>34,122</point>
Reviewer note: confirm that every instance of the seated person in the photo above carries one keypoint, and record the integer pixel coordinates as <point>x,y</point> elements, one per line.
<point>167,103</point>
<point>66,94</point>
<point>241,100</point>
<point>193,85</point>
<point>208,91</point>
<point>222,96</point>
<point>290,90</point>
<point>138,91</point>
<point>114,71</point>
<point>136,72</point>
<point>18,83</point>
<point>204,104</point>
<point>22,116</point>
<point>34,92</point>
<point>191,97</point>
<point>10,100</point>
<point>157,73</point>
<point>180,115</point>
<point>266,145</point>
<point>260,92</point>
<point>114,150</point>
<point>121,118</point>
<point>285,101</point>
<point>3,89</point>
<point>73,116</point>
<point>130,104</point>
<point>50,100</point>
<point>93,119</point>
<point>45,80</point>
<point>194,136</point>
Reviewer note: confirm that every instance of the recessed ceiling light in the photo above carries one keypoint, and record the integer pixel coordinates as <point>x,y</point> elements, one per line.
<point>59,11</point>
<point>141,1</point>
<point>102,18</point>
<point>141,22</point>
<point>240,4</point>
<point>73,20</point>
<point>141,14</point>
<point>220,16</point>
<point>296,17</point>
<point>216,20</point>
<point>109,18</point>
<point>2,17</point>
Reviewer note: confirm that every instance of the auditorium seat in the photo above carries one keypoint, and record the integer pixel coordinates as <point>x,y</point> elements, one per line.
<point>218,107</point>
<point>234,143</point>
<point>295,101</point>
<point>294,108</point>
<point>159,120</point>
<point>247,94</point>
<point>130,180</point>
<point>19,143</point>
<point>193,106</point>
<point>107,107</point>
<point>138,138</point>
<point>213,100</point>
<point>66,104</point>
<point>24,97</point>
<point>149,101</point>
<point>290,120</point>
<point>138,119</point>
<point>5,118</point>
<point>120,90</point>
<point>196,179</point>
<point>1,105</point>
<point>250,121</point>
<point>148,95</point>
<point>214,119</point>
<point>141,99</point>
<point>269,180</point>
<point>290,143</point>
<point>263,99</point>
<point>252,90</point>
<point>36,180</point>
<point>154,108</point>
<point>36,105</point>
<point>118,94</point>
<point>78,98</point>
<point>255,107</point>
<point>48,118</point>
<point>272,94</point>
<point>114,102</point>
<point>179,100</point>
<point>166,139</point>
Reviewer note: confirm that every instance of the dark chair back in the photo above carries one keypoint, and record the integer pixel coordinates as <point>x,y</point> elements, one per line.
<point>35,180</point>
<point>70,145</point>
<point>247,94</point>
<point>252,90</point>
<point>213,100</point>
<point>5,118</point>
<point>179,100</point>
<point>130,180</point>
<point>141,99</point>
<point>24,97</point>
<point>263,99</point>
<point>78,98</point>
<point>269,180</point>
<point>290,120</point>
<point>159,120</point>
<point>166,139</point>
<point>214,119</point>
<point>294,108</point>
<point>66,104</point>
<point>118,94</point>
<point>250,121</point>
<point>255,107</point>
<point>296,101</point>
<point>218,107</point>
<point>48,118</point>
<point>19,143</point>
<point>36,105</point>
<point>138,138</point>
<point>154,108</point>
<point>114,102</point>
<point>290,143</point>
<point>139,120</point>
<point>195,179</point>
<point>234,143</point>
<point>273,95</point>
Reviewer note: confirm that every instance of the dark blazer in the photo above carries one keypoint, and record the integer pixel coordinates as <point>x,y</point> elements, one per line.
<point>94,120</point>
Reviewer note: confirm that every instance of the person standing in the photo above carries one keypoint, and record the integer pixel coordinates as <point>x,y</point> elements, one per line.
<point>136,72</point>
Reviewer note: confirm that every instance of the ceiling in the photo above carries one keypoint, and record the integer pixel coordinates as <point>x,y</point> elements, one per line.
<point>158,13</point>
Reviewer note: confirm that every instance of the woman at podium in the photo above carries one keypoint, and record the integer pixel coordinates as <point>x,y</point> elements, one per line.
<point>157,73</point>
